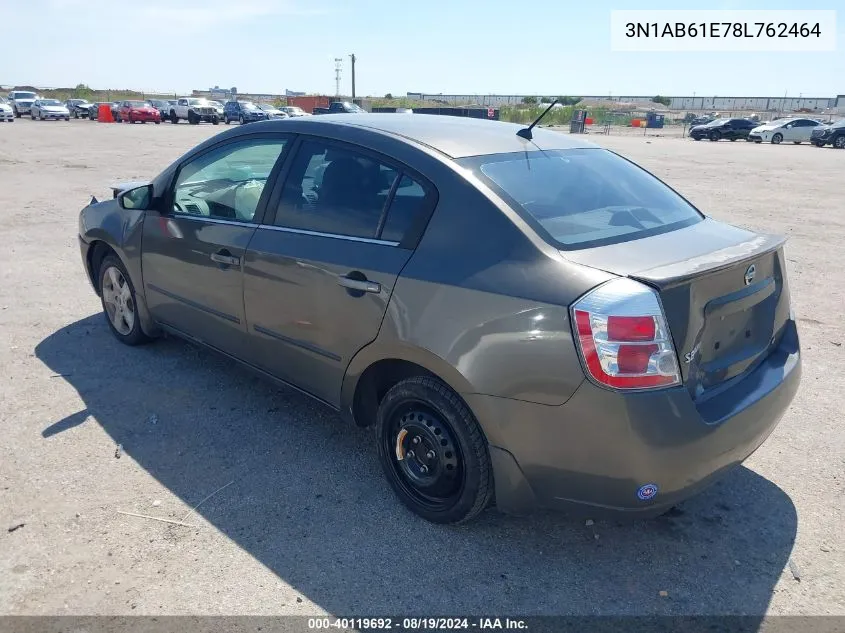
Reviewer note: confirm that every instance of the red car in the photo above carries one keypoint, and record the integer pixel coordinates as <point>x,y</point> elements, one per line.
<point>131,111</point>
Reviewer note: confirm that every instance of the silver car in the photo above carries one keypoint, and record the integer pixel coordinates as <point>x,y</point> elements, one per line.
<point>49,109</point>
<point>793,129</point>
<point>6,112</point>
<point>272,112</point>
<point>21,101</point>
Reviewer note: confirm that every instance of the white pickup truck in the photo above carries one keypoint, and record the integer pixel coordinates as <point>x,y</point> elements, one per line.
<point>193,110</point>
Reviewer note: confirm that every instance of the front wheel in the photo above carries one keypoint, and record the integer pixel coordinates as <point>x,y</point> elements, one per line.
<point>241,119</point>
<point>715,135</point>
<point>433,452</point>
<point>777,138</point>
<point>173,118</point>
<point>215,121</point>
<point>119,305</point>
<point>839,142</point>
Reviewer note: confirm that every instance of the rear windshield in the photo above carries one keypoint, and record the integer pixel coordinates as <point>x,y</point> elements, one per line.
<point>581,198</point>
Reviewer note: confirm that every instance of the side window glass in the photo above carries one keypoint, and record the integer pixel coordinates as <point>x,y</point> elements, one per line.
<point>227,183</point>
<point>408,202</point>
<point>335,190</point>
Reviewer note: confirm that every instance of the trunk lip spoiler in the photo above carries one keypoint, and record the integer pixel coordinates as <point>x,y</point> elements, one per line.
<point>669,275</point>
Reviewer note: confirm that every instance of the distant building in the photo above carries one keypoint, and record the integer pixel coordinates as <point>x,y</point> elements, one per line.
<point>765,104</point>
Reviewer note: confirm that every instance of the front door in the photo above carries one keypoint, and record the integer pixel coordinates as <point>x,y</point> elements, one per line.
<point>193,250</point>
<point>319,276</point>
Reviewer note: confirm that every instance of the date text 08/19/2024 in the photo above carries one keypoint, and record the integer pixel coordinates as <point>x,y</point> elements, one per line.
<point>416,624</point>
<point>719,30</point>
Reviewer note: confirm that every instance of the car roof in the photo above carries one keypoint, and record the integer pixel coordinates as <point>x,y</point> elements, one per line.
<point>454,136</point>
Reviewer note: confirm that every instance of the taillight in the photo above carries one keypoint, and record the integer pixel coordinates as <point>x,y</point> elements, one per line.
<point>623,337</point>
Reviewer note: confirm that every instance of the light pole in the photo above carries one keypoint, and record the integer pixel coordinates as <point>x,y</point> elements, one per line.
<point>338,65</point>
<point>352,58</point>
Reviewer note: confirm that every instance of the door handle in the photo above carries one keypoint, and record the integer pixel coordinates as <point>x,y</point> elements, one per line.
<point>225,258</point>
<point>361,285</point>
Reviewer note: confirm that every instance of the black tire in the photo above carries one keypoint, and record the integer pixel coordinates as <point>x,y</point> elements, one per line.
<point>839,142</point>
<point>796,142</point>
<point>215,121</point>
<point>423,412</point>
<point>117,119</point>
<point>17,114</point>
<point>777,138</point>
<point>732,140</point>
<point>158,122</point>
<point>75,114</point>
<point>173,118</point>
<point>192,119</point>
<point>715,135</point>
<point>241,119</point>
<point>133,335</point>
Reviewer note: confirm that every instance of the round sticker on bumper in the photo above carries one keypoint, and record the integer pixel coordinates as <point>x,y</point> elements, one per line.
<point>647,492</point>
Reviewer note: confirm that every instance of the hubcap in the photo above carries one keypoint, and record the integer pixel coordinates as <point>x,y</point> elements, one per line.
<point>426,458</point>
<point>117,299</point>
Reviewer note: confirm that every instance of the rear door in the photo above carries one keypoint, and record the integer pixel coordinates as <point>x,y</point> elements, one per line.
<point>318,276</point>
<point>193,248</point>
<point>804,129</point>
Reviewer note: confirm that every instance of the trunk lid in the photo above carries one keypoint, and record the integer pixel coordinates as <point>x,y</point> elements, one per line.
<point>723,289</point>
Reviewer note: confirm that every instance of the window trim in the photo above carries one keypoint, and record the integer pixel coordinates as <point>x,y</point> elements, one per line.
<point>414,234</point>
<point>260,210</point>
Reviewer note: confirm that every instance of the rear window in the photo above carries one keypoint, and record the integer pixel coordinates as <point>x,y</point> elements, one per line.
<point>581,198</point>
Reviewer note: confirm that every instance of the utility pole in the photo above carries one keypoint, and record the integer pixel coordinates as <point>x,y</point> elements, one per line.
<point>338,66</point>
<point>352,57</point>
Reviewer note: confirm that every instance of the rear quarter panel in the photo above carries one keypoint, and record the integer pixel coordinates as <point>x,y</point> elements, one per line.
<point>483,301</point>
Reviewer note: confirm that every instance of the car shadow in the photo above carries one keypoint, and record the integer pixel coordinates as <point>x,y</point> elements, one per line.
<point>310,503</point>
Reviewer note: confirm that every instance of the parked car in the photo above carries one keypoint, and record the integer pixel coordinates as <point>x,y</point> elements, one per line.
<point>294,111</point>
<point>78,107</point>
<point>272,112</point>
<point>700,120</point>
<point>94,110</point>
<point>49,109</point>
<point>833,134</point>
<point>162,105</point>
<point>132,111</point>
<point>242,112</point>
<point>793,129</point>
<point>621,352</point>
<point>218,107</point>
<point>6,112</point>
<point>21,101</point>
<point>194,111</point>
<point>341,107</point>
<point>731,129</point>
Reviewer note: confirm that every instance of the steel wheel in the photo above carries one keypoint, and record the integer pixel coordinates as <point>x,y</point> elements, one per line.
<point>433,451</point>
<point>427,461</point>
<point>117,300</point>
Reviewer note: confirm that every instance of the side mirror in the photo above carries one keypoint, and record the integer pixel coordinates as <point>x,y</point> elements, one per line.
<point>137,198</point>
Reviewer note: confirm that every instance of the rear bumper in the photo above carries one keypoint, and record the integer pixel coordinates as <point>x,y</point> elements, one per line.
<point>596,452</point>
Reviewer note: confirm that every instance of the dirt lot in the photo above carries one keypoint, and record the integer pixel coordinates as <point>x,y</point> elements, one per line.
<point>309,525</point>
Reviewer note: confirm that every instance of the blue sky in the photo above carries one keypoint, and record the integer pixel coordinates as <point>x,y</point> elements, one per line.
<point>449,46</point>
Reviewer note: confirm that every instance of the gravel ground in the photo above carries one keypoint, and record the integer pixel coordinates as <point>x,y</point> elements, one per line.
<point>309,525</point>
